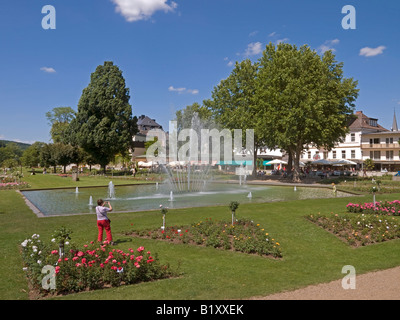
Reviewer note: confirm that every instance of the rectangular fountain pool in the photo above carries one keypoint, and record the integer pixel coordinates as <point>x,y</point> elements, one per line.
<point>149,197</point>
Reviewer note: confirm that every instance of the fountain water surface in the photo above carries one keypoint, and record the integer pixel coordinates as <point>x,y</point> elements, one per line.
<point>187,184</point>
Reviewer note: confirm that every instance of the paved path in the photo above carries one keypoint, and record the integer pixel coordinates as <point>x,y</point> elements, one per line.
<point>379,285</point>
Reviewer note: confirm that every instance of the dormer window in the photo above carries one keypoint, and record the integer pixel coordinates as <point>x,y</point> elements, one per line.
<point>373,122</point>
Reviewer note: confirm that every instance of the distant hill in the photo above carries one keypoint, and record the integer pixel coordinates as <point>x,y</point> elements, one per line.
<point>23,146</point>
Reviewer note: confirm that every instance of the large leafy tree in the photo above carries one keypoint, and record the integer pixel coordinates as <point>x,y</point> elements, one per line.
<point>184,117</point>
<point>104,125</point>
<point>59,118</point>
<point>304,98</point>
<point>232,102</point>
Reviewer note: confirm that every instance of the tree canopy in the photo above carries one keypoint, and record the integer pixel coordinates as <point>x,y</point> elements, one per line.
<point>104,125</point>
<point>292,98</point>
<point>59,119</point>
<point>304,99</point>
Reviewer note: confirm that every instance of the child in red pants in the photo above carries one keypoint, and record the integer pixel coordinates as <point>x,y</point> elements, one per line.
<point>102,220</point>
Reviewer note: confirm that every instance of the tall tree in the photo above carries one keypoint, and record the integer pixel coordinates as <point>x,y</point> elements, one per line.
<point>305,99</point>
<point>184,116</point>
<point>59,118</point>
<point>233,106</point>
<point>104,126</point>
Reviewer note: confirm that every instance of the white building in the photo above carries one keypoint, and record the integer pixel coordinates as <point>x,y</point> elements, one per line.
<point>366,140</point>
<point>351,148</point>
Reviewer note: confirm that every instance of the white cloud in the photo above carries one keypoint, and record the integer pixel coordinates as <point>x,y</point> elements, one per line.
<point>135,10</point>
<point>230,63</point>
<point>372,52</point>
<point>272,34</point>
<point>253,49</point>
<point>48,70</point>
<point>328,45</point>
<point>192,91</point>
<point>252,34</point>
<point>281,40</point>
<point>183,90</point>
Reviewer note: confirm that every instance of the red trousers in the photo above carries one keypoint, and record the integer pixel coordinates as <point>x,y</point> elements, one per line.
<point>104,224</point>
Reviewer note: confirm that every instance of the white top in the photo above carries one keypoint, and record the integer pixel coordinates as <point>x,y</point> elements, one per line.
<point>102,212</point>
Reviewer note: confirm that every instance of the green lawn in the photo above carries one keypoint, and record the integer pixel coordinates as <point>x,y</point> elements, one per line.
<point>310,254</point>
<point>48,181</point>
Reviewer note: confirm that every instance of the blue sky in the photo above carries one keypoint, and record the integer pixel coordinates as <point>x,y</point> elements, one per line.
<point>173,53</point>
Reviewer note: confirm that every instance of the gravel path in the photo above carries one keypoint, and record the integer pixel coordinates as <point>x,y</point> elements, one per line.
<point>379,285</point>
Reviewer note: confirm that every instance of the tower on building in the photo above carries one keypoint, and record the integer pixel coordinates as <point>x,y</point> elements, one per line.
<point>394,125</point>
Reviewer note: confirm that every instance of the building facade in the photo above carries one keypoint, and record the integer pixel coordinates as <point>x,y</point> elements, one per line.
<point>366,139</point>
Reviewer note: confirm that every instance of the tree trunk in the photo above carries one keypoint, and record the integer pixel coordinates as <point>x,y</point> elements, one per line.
<point>296,157</point>
<point>290,162</point>
<point>255,163</point>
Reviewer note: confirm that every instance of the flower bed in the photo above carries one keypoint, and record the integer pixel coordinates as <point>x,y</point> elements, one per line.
<point>244,236</point>
<point>92,266</point>
<point>391,208</point>
<point>13,185</point>
<point>361,229</point>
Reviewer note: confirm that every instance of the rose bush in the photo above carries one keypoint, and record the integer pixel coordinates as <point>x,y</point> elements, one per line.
<point>90,267</point>
<point>391,208</point>
<point>244,236</point>
<point>361,229</point>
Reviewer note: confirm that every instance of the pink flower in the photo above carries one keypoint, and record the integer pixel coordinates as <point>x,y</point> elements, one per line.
<point>140,249</point>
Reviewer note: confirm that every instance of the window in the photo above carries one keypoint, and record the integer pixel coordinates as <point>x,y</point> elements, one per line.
<point>389,140</point>
<point>373,122</point>
<point>343,154</point>
<point>353,137</point>
<point>309,154</point>
<point>334,154</point>
<point>377,155</point>
<point>353,154</point>
<point>389,155</point>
